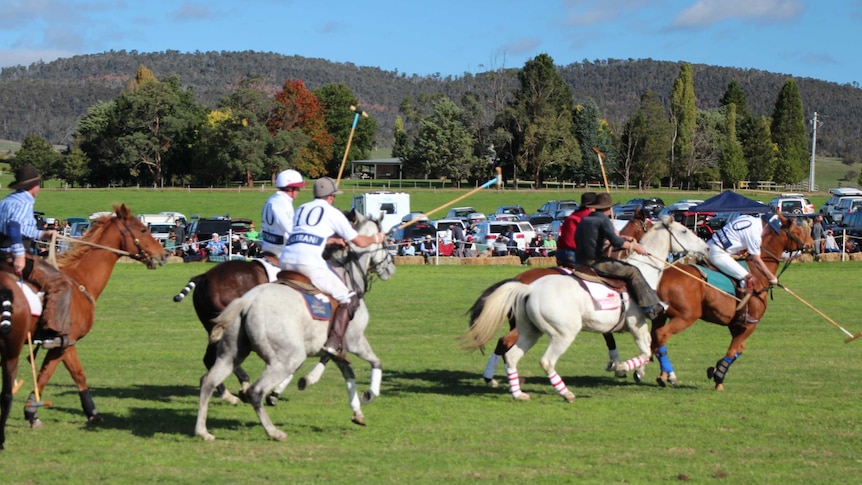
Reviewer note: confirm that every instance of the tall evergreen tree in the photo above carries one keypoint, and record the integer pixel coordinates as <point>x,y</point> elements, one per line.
<point>760,152</point>
<point>36,151</point>
<point>445,145</point>
<point>684,121</point>
<point>732,166</point>
<point>588,126</point>
<point>652,130</point>
<point>788,133</point>
<point>336,100</point>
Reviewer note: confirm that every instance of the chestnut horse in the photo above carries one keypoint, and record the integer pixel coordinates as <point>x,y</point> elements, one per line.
<point>635,228</point>
<point>690,299</point>
<point>90,265</point>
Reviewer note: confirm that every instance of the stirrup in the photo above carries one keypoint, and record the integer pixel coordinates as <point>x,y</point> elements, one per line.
<point>336,355</point>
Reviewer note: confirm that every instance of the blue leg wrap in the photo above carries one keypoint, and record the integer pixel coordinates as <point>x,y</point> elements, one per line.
<point>664,360</point>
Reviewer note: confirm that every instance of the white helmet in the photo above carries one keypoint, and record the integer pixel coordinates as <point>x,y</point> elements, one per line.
<point>289,178</point>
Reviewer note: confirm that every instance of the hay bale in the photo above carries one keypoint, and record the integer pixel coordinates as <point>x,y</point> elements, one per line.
<point>475,261</point>
<point>541,261</point>
<point>399,260</point>
<point>828,257</point>
<point>504,261</point>
<point>805,258</point>
<point>855,256</point>
<point>446,261</point>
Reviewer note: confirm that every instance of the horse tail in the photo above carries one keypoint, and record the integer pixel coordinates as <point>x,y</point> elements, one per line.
<point>493,308</point>
<point>188,288</point>
<point>229,316</point>
<point>5,309</point>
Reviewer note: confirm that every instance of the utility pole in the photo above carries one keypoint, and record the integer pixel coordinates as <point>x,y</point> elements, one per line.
<point>814,123</point>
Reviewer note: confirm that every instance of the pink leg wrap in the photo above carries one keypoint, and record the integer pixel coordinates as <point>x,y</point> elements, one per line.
<point>514,382</point>
<point>634,363</point>
<point>558,383</point>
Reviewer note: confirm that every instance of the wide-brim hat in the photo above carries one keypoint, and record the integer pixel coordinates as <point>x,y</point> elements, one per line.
<point>428,237</point>
<point>603,201</point>
<point>26,176</point>
<point>588,198</point>
<point>324,187</point>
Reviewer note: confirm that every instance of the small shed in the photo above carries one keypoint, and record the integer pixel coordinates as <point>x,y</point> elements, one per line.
<point>381,168</point>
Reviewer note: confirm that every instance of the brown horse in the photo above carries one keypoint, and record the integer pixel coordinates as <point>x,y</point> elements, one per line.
<point>90,265</point>
<point>690,299</point>
<point>635,228</point>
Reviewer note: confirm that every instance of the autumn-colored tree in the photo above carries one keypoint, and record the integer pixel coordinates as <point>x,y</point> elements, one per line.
<point>297,108</point>
<point>336,100</point>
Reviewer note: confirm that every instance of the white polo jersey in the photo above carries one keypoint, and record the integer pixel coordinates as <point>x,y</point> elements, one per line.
<point>743,233</point>
<point>276,222</point>
<point>313,223</point>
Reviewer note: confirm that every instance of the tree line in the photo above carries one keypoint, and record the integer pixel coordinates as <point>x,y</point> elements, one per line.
<point>155,133</point>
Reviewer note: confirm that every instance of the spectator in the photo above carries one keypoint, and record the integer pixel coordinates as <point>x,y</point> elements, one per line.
<point>537,246</point>
<point>392,247</point>
<point>251,235</point>
<point>236,245</point>
<point>550,244</point>
<point>428,248</point>
<point>407,248</point>
<point>817,233</point>
<point>458,239</point>
<point>179,231</point>
<point>216,247</point>
<point>501,245</point>
<point>830,245</point>
<point>171,245</point>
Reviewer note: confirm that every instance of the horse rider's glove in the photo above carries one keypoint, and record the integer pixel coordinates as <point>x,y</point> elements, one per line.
<point>773,282</point>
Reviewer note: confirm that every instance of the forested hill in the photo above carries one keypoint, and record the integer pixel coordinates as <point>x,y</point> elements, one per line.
<point>47,99</point>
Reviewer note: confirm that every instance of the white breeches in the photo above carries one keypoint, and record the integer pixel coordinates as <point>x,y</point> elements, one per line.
<point>325,280</point>
<point>724,261</point>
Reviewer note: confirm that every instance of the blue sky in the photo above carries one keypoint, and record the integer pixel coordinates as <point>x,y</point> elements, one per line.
<point>803,38</point>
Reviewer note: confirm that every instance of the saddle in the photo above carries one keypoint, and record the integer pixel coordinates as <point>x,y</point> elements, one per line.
<point>319,304</point>
<point>607,293</point>
<point>587,273</point>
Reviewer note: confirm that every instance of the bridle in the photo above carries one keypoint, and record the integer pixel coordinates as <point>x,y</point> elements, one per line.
<point>356,273</point>
<point>126,232</point>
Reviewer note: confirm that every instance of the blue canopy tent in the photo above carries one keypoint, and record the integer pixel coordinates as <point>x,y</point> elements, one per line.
<point>730,201</point>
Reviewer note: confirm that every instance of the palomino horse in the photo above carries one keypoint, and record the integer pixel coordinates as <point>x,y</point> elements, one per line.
<point>90,265</point>
<point>213,292</point>
<point>560,307</point>
<point>635,228</point>
<point>272,321</point>
<point>690,299</point>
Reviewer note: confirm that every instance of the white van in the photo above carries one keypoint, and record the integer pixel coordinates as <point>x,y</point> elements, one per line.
<point>486,232</point>
<point>160,225</point>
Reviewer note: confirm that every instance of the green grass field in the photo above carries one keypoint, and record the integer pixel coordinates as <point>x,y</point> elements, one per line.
<point>790,413</point>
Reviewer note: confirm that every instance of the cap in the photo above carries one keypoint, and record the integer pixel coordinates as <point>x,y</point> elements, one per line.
<point>215,235</point>
<point>428,236</point>
<point>289,178</point>
<point>26,176</point>
<point>324,187</point>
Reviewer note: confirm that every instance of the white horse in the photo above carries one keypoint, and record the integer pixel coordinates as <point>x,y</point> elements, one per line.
<point>557,305</point>
<point>264,320</point>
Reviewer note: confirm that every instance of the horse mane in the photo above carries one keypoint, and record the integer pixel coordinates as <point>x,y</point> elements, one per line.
<point>94,233</point>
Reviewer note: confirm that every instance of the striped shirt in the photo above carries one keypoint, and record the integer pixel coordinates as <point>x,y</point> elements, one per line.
<point>18,207</point>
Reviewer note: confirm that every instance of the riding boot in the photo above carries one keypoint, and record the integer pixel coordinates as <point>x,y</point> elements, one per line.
<point>746,288</point>
<point>56,322</point>
<point>338,328</point>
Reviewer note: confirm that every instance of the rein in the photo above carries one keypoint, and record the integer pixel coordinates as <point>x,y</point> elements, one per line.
<point>125,230</point>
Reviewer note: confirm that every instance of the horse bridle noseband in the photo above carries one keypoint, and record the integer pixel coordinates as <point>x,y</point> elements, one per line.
<point>127,231</point>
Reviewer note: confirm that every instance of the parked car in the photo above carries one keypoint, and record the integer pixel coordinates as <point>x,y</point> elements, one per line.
<point>442,226</point>
<point>460,213</point>
<point>514,210</point>
<point>79,228</point>
<point>542,223</point>
<point>486,232</point>
<point>684,204</point>
<point>415,232</point>
<point>791,204</point>
<point>551,207</point>
<point>503,217</point>
<point>204,228</point>
<point>837,195</point>
<point>845,206</point>
<point>652,205</point>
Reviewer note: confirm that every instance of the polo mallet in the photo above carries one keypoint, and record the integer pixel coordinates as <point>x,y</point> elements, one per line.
<point>38,402</point>
<point>349,140</point>
<point>850,336</point>
<point>17,385</point>
<point>604,174</point>
<point>487,184</point>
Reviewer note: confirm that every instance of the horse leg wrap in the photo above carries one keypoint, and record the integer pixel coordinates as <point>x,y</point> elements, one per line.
<point>87,403</point>
<point>558,383</point>
<point>491,366</point>
<point>721,368</point>
<point>664,360</point>
<point>30,407</point>
<point>514,382</point>
<point>634,363</point>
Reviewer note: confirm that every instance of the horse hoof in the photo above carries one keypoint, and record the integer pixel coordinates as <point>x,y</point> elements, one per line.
<point>719,387</point>
<point>271,399</point>
<point>36,423</point>
<point>661,381</point>
<point>302,383</point>
<point>358,418</point>
<point>710,372</point>
<point>367,397</point>
<point>638,376</point>
<point>621,374</point>
<point>206,436</point>
<point>569,396</point>
<point>611,365</point>
<point>522,397</point>
<point>278,435</point>
<point>95,420</point>
<point>230,398</point>
<point>492,383</point>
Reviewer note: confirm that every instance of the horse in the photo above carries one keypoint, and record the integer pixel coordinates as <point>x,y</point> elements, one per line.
<point>89,265</point>
<point>691,299</point>
<point>635,228</point>
<point>213,292</point>
<point>559,306</point>
<point>272,321</point>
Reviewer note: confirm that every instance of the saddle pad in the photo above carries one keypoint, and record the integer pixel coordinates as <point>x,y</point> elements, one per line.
<point>318,306</point>
<point>718,279</point>
<point>605,298</point>
<point>33,299</point>
<point>271,269</point>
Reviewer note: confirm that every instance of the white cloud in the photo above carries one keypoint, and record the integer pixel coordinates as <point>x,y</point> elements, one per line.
<point>709,12</point>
